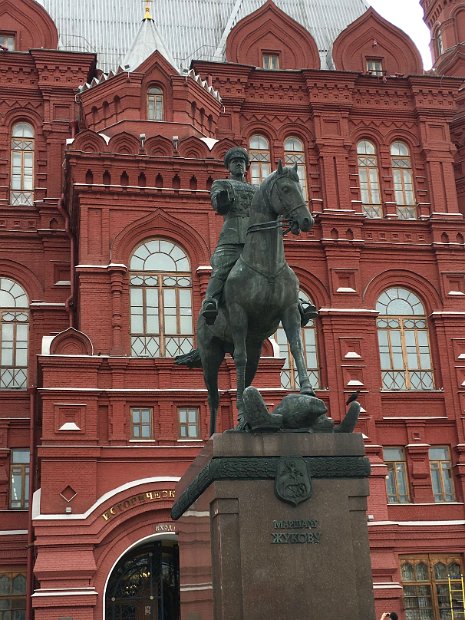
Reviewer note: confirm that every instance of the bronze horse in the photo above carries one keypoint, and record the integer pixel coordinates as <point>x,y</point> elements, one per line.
<point>261,291</point>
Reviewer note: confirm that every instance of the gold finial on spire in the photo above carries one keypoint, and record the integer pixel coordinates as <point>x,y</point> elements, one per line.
<point>148,14</point>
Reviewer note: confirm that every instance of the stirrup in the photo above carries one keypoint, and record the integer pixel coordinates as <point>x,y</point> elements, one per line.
<point>210,311</point>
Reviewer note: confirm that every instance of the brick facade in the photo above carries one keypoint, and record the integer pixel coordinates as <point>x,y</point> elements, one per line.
<point>107,180</point>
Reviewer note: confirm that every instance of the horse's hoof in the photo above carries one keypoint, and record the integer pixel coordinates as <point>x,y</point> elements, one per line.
<point>307,390</point>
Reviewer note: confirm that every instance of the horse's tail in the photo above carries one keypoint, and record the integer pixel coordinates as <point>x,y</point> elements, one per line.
<point>191,359</point>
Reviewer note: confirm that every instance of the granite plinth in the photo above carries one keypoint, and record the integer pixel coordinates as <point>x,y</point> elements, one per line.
<point>271,559</point>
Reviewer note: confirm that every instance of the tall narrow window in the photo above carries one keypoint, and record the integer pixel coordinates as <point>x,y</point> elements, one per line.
<point>403,181</point>
<point>19,479</point>
<point>294,154</point>
<point>403,341</point>
<point>397,480</point>
<point>260,159</point>
<point>369,179</point>
<point>22,165</point>
<point>161,300</point>
<point>12,594</point>
<point>141,423</point>
<point>433,587</point>
<point>289,377</point>
<point>441,474</point>
<point>189,423</point>
<point>439,42</point>
<point>155,104</point>
<point>14,324</point>
<point>270,60</point>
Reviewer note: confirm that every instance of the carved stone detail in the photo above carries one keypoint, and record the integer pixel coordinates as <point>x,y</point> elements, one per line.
<point>252,468</point>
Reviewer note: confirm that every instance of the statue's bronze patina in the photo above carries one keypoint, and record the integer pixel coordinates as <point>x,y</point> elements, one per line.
<point>231,198</point>
<point>260,290</point>
<point>252,289</point>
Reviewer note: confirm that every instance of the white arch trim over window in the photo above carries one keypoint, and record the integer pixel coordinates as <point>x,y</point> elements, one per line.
<point>403,341</point>
<point>161,300</point>
<point>37,496</point>
<point>14,330</point>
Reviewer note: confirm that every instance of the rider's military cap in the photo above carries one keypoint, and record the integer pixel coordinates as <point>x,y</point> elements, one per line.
<point>236,151</point>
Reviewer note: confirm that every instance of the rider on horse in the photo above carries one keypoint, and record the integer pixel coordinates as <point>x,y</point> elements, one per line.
<point>232,198</point>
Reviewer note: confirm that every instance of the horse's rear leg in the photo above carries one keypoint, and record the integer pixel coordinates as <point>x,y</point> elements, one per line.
<point>291,324</point>
<point>254,350</point>
<point>211,361</point>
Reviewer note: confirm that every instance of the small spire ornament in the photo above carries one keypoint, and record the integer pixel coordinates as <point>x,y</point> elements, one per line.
<point>148,14</point>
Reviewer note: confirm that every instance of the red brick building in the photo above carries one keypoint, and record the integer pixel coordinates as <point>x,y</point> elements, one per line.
<point>106,231</point>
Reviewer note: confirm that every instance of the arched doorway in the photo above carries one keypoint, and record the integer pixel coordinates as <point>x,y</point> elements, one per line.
<point>144,585</point>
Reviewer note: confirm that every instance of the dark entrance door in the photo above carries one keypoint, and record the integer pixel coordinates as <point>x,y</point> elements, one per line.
<point>144,585</point>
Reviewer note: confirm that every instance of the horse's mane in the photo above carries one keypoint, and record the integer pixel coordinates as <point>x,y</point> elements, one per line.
<point>287,171</point>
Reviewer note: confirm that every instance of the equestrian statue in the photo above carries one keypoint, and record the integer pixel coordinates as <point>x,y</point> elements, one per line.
<point>252,289</point>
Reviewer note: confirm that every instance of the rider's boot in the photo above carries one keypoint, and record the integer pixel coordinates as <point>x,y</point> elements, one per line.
<point>307,312</point>
<point>210,310</point>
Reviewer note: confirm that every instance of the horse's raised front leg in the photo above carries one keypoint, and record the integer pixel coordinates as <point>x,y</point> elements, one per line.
<point>238,324</point>
<point>291,324</point>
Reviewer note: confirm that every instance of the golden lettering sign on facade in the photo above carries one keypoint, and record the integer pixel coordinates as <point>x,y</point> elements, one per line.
<point>137,500</point>
<point>165,527</point>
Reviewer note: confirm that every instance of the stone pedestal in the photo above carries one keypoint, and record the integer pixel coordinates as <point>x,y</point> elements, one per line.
<point>271,559</point>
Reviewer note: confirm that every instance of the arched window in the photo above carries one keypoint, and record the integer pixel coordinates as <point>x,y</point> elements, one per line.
<point>289,378</point>
<point>145,583</point>
<point>13,593</point>
<point>14,324</point>
<point>260,159</point>
<point>403,341</point>
<point>155,104</point>
<point>294,154</point>
<point>369,179</point>
<point>22,165</point>
<point>403,181</point>
<point>432,586</point>
<point>161,300</point>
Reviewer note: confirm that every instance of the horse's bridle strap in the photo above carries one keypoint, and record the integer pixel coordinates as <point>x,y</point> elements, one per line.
<point>271,225</point>
<point>289,213</point>
<point>268,197</point>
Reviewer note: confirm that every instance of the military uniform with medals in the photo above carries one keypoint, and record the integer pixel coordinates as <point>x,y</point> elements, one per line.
<point>236,210</point>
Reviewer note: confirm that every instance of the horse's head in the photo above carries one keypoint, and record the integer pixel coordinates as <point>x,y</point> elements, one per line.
<point>284,194</point>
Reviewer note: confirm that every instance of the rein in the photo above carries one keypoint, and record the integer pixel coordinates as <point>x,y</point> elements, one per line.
<point>271,225</point>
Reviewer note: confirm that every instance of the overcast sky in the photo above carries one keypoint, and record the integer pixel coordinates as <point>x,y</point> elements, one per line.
<point>408,15</point>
